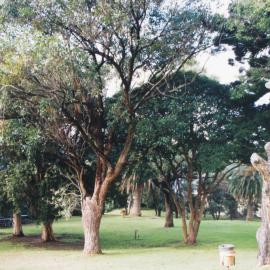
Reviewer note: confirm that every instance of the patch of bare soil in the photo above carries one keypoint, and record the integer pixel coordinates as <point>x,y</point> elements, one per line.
<point>34,241</point>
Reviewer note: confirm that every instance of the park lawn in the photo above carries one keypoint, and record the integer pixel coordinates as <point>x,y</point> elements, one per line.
<point>156,248</point>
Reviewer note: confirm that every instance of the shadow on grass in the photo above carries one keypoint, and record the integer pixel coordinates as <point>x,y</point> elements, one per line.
<point>120,238</point>
<point>63,242</point>
<point>73,242</point>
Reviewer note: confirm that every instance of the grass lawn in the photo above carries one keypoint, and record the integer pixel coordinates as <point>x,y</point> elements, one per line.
<point>158,248</point>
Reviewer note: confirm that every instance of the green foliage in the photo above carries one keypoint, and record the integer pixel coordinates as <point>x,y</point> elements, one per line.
<point>70,51</point>
<point>28,174</point>
<point>195,122</point>
<point>16,169</point>
<point>248,27</point>
<point>247,31</point>
<point>245,184</point>
<point>15,180</point>
<point>220,202</point>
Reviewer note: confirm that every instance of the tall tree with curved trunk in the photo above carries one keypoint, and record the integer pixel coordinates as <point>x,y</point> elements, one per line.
<point>186,140</point>
<point>263,233</point>
<point>69,79</point>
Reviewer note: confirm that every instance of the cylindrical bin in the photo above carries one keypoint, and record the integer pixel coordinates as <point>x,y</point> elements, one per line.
<point>226,255</point>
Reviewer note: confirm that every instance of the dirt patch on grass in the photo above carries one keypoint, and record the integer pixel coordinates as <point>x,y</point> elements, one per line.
<point>34,241</point>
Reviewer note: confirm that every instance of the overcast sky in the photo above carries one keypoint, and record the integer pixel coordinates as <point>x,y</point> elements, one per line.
<point>215,66</point>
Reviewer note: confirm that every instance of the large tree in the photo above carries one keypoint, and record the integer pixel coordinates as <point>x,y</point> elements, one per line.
<point>29,174</point>
<point>14,173</point>
<point>64,82</point>
<point>247,31</point>
<point>188,142</point>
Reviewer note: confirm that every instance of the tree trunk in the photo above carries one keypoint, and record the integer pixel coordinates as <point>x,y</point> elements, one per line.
<point>129,203</point>
<point>92,206</point>
<point>199,215</point>
<point>263,233</point>
<point>169,212</point>
<point>136,201</point>
<point>191,231</point>
<point>91,216</point>
<point>47,234</point>
<point>94,192</point>
<point>194,223</point>
<point>17,225</point>
<point>157,209</point>
<point>184,225</point>
<point>181,210</point>
<point>176,212</point>
<point>250,211</point>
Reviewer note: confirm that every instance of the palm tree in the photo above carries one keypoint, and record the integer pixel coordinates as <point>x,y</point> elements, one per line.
<point>135,178</point>
<point>245,183</point>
